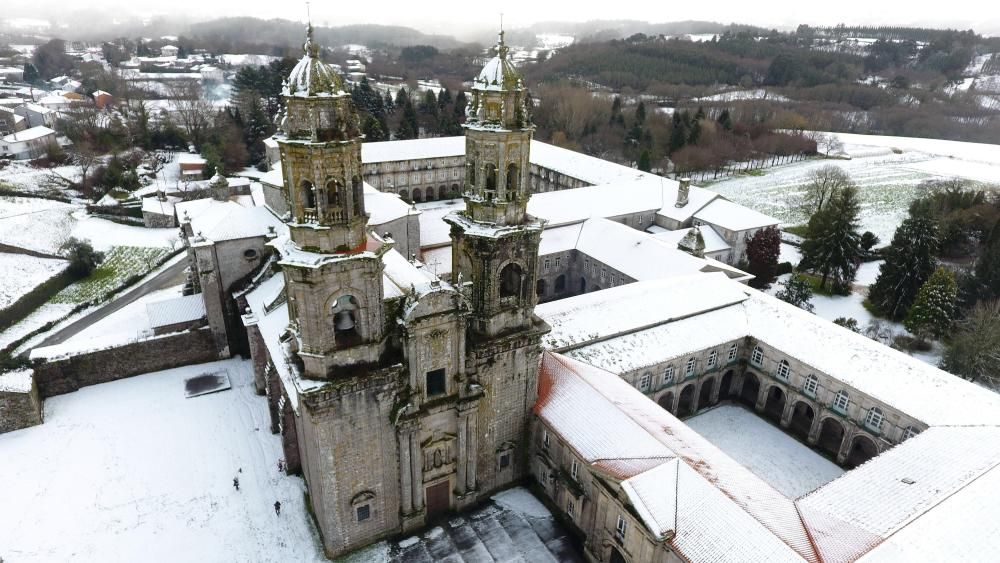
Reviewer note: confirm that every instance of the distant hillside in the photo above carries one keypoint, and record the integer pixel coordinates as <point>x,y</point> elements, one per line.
<point>603,30</point>
<point>288,33</point>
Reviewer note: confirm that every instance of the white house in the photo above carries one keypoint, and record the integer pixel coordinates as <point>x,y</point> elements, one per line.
<point>27,144</point>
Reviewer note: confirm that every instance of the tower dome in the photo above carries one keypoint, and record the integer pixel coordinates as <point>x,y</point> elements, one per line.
<point>499,74</point>
<point>499,97</point>
<point>311,76</point>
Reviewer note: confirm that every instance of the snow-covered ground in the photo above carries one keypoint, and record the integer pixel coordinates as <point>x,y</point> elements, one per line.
<point>36,224</point>
<point>104,234</point>
<point>786,464</point>
<point>26,177</point>
<point>889,180</point>
<point>741,95</point>
<point>133,471</point>
<point>20,273</point>
<point>48,313</point>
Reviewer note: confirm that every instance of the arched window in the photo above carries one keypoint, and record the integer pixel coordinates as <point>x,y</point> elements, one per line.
<point>359,195</point>
<point>734,348</point>
<point>510,280</point>
<point>491,178</point>
<point>513,181</point>
<point>417,195</point>
<point>782,371</point>
<point>689,370</point>
<point>713,358</point>
<point>757,357</point>
<point>308,194</point>
<point>841,401</point>
<point>345,322</point>
<point>644,381</point>
<point>908,433</point>
<point>668,375</point>
<point>874,418</point>
<point>561,283</point>
<point>811,385</point>
<point>472,176</point>
<point>540,288</point>
<point>333,193</point>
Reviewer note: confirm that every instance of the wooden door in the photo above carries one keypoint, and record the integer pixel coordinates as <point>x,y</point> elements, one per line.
<point>438,499</point>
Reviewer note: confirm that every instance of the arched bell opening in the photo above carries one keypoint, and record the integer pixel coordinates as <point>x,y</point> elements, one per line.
<point>345,321</point>
<point>510,281</point>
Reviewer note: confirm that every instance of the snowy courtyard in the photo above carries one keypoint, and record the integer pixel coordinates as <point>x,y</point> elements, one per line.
<point>133,471</point>
<point>786,464</point>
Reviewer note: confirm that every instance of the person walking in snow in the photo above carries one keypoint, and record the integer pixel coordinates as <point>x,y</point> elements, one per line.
<point>236,483</point>
<point>277,508</point>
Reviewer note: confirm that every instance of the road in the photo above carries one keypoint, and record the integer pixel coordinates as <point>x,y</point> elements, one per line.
<point>170,276</point>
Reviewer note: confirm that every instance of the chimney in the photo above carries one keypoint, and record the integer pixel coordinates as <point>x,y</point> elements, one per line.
<point>682,192</point>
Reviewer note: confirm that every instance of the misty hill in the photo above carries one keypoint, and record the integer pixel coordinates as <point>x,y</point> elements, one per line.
<point>288,33</point>
<point>602,30</point>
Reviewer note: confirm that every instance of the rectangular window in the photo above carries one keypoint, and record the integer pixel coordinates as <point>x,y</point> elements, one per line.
<point>620,528</point>
<point>614,279</point>
<point>547,263</point>
<point>604,273</point>
<point>644,382</point>
<point>574,469</point>
<point>811,385</point>
<point>545,438</point>
<point>558,259</point>
<point>505,460</point>
<point>733,350</point>
<point>713,357</point>
<point>571,508</point>
<point>364,512</point>
<point>689,371</point>
<point>757,357</point>
<point>668,376</point>
<point>436,383</point>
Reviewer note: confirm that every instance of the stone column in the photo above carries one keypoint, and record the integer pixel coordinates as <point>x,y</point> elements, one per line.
<point>405,472</point>
<point>845,448</point>
<point>417,465</point>
<point>472,453</point>
<point>463,453</point>
<point>761,397</point>
<point>716,391</point>
<point>786,417</point>
<point>814,430</point>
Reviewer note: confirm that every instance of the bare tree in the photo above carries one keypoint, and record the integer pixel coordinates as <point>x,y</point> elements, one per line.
<point>194,112</point>
<point>824,183</point>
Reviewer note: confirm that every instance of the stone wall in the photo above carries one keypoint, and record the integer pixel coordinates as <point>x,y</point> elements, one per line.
<point>19,407</point>
<point>56,377</point>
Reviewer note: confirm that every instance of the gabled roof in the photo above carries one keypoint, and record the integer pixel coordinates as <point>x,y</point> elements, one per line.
<point>734,217</point>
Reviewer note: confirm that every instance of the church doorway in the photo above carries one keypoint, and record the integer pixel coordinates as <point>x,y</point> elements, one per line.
<point>438,499</point>
<point>862,449</point>
<point>685,407</point>
<point>802,420</point>
<point>750,391</point>
<point>775,405</point>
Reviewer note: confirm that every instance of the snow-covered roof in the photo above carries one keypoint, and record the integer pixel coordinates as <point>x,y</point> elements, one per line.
<point>29,134</point>
<point>603,418</point>
<point>413,149</point>
<point>634,253</point>
<point>228,220</point>
<point>383,207</point>
<point>190,158</point>
<point>178,310</point>
<point>16,381</point>
<point>589,169</point>
<point>713,241</point>
<point>733,216</point>
<point>157,206</point>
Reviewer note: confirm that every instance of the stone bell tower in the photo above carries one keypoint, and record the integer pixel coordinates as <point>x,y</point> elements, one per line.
<point>495,259</point>
<point>332,265</point>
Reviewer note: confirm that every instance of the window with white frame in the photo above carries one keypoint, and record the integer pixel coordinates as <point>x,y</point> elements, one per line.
<point>547,263</point>
<point>570,508</point>
<point>558,260</point>
<point>713,357</point>
<point>614,279</point>
<point>874,418</point>
<point>908,433</point>
<point>574,469</point>
<point>841,401</point>
<point>811,385</point>
<point>757,357</point>
<point>668,375</point>
<point>620,528</point>
<point>689,370</point>
<point>644,382</point>
<point>782,371</point>
<point>734,349</point>
<point>604,273</point>
<point>545,438</point>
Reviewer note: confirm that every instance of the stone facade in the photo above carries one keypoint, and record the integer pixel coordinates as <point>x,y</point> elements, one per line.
<point>417,180</point>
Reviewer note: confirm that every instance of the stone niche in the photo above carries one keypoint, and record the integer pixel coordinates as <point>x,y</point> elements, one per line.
<point>440,453</point>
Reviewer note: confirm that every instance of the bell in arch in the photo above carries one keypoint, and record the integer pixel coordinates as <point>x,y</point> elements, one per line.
<point>343,320</point>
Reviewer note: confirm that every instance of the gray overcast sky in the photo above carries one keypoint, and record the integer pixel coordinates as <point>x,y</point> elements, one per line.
<point>452,17</point>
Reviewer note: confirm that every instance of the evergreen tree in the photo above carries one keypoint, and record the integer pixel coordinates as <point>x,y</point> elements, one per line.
<point>640,112</point>
<point>678,133</point>
<point>909,261</point>
<point>762,256</point>
<point>988,265</point>
<point>444,99</point>
<point>700,114</point>
<point>832,245</point>
<point>389,104</point>
<point>373,129</point>
<point>798,292</point>
<point>401,98</point>
<point>644,161</point>
<point>725,120</point>
<point>429,104</point>
<point>460,102</point>
<point>933,310</point>
<point>974,351</point>
<point>408,128</point>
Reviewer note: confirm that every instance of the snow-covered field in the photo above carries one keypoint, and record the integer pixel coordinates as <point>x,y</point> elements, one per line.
<point>26,177</point>
<point>785,463</point>
<point>36,224</point>
<point>48,313</point>
<point>133,471</point>
<point>889,181</point>
<point>20,273</point>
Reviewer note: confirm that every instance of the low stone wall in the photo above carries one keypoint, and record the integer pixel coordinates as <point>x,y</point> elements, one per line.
<point>65,375</point>
<point>19,408</point>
